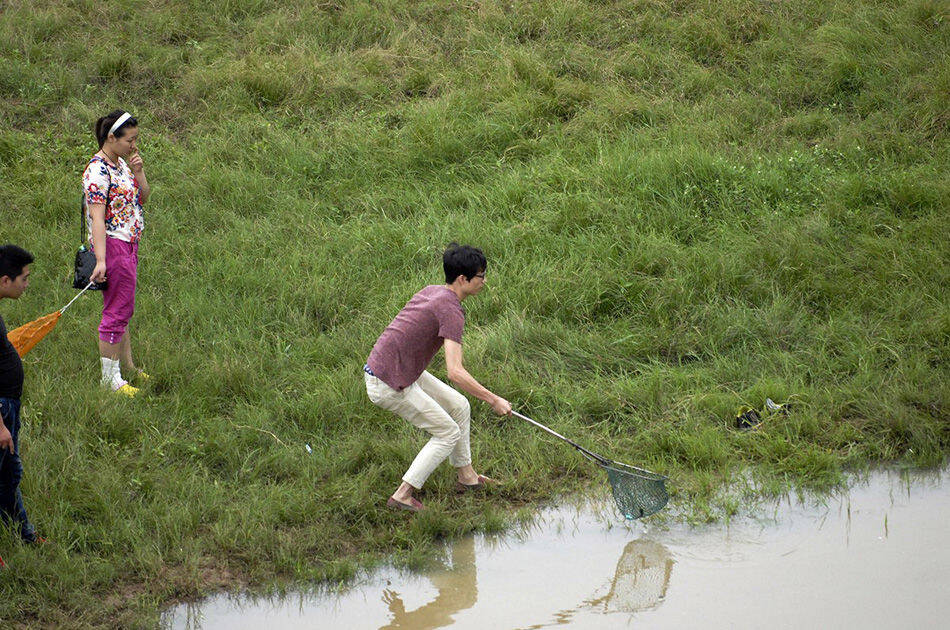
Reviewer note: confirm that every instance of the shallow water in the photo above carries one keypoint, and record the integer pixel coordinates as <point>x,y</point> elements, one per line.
<point>873,557</point>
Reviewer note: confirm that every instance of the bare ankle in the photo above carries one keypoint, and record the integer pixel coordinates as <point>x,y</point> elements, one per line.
<point>469,477</point>
<point>403,493</point>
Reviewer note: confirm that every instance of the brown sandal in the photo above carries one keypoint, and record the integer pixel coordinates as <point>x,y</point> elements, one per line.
<point>414,504</point>
<point>475,487</point>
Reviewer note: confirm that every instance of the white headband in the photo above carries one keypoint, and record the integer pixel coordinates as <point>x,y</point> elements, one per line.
<point>119,122</point>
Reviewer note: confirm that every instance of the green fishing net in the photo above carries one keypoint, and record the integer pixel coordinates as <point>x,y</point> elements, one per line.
<point>638,492</point>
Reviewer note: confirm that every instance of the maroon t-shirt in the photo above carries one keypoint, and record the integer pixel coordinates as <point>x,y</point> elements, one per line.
<point>403,351</point>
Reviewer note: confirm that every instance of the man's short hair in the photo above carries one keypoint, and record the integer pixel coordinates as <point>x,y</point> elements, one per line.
<point>462,260</point>
<point>12,261</point>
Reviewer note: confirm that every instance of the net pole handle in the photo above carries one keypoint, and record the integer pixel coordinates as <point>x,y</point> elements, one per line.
<point>583,450</point>
<point>63,310</point>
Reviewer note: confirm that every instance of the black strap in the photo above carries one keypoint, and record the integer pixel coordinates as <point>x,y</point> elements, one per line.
<point>82,204</point>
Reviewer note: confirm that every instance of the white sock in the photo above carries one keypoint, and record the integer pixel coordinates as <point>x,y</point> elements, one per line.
<point>111,374</point>
<point>108,367</point>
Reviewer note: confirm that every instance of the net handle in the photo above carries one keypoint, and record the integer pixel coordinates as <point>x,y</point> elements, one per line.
<point>63,310</point>
<point>601,460</point>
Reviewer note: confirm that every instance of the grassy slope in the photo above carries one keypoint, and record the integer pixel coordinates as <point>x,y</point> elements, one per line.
<point>687,206</point>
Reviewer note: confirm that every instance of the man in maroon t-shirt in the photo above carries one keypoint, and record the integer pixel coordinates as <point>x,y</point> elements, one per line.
<point>397,380</point>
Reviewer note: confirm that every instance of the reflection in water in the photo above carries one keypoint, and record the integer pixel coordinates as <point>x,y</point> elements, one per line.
<point>639,583</point>
<point>457,590</point>
<point>641,579</point>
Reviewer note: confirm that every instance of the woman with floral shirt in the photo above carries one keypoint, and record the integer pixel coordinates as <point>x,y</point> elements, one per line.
<point>115,191</point>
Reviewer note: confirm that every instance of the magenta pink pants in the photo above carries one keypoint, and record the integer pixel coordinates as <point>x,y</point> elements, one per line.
<point>118,300</point>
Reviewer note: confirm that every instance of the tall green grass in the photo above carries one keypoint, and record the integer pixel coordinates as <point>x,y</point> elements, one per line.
<point>687,207</point>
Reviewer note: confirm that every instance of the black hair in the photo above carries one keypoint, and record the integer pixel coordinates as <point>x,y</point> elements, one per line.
<point>104,124</point>
<point>462,260</point>
<point>12,261</point>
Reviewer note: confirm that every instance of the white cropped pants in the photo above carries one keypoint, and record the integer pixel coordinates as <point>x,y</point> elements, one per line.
<point>435,407</point>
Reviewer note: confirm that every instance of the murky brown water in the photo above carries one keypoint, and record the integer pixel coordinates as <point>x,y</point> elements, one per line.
<point>874,557</point>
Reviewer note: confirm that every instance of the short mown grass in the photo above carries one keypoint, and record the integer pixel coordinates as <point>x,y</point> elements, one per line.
<point>687,207</point>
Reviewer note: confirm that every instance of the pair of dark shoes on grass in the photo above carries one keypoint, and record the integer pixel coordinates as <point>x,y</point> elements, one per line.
<point>749,418</point>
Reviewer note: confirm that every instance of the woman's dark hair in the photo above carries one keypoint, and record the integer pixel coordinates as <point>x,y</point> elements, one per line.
<point>12,261</point>
<point>105,123</point>
<point>462,260</point>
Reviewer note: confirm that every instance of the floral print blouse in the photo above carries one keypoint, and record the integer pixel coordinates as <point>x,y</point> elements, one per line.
<point>115,186</point>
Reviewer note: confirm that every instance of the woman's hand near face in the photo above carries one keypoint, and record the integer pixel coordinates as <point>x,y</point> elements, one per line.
<point>135,162</point>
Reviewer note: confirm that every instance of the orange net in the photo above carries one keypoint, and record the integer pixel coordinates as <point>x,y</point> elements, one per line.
<point>28,335</point>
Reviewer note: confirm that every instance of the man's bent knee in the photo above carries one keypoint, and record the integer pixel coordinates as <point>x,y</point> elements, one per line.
<point>453,435</point>
<point>462,410</point>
